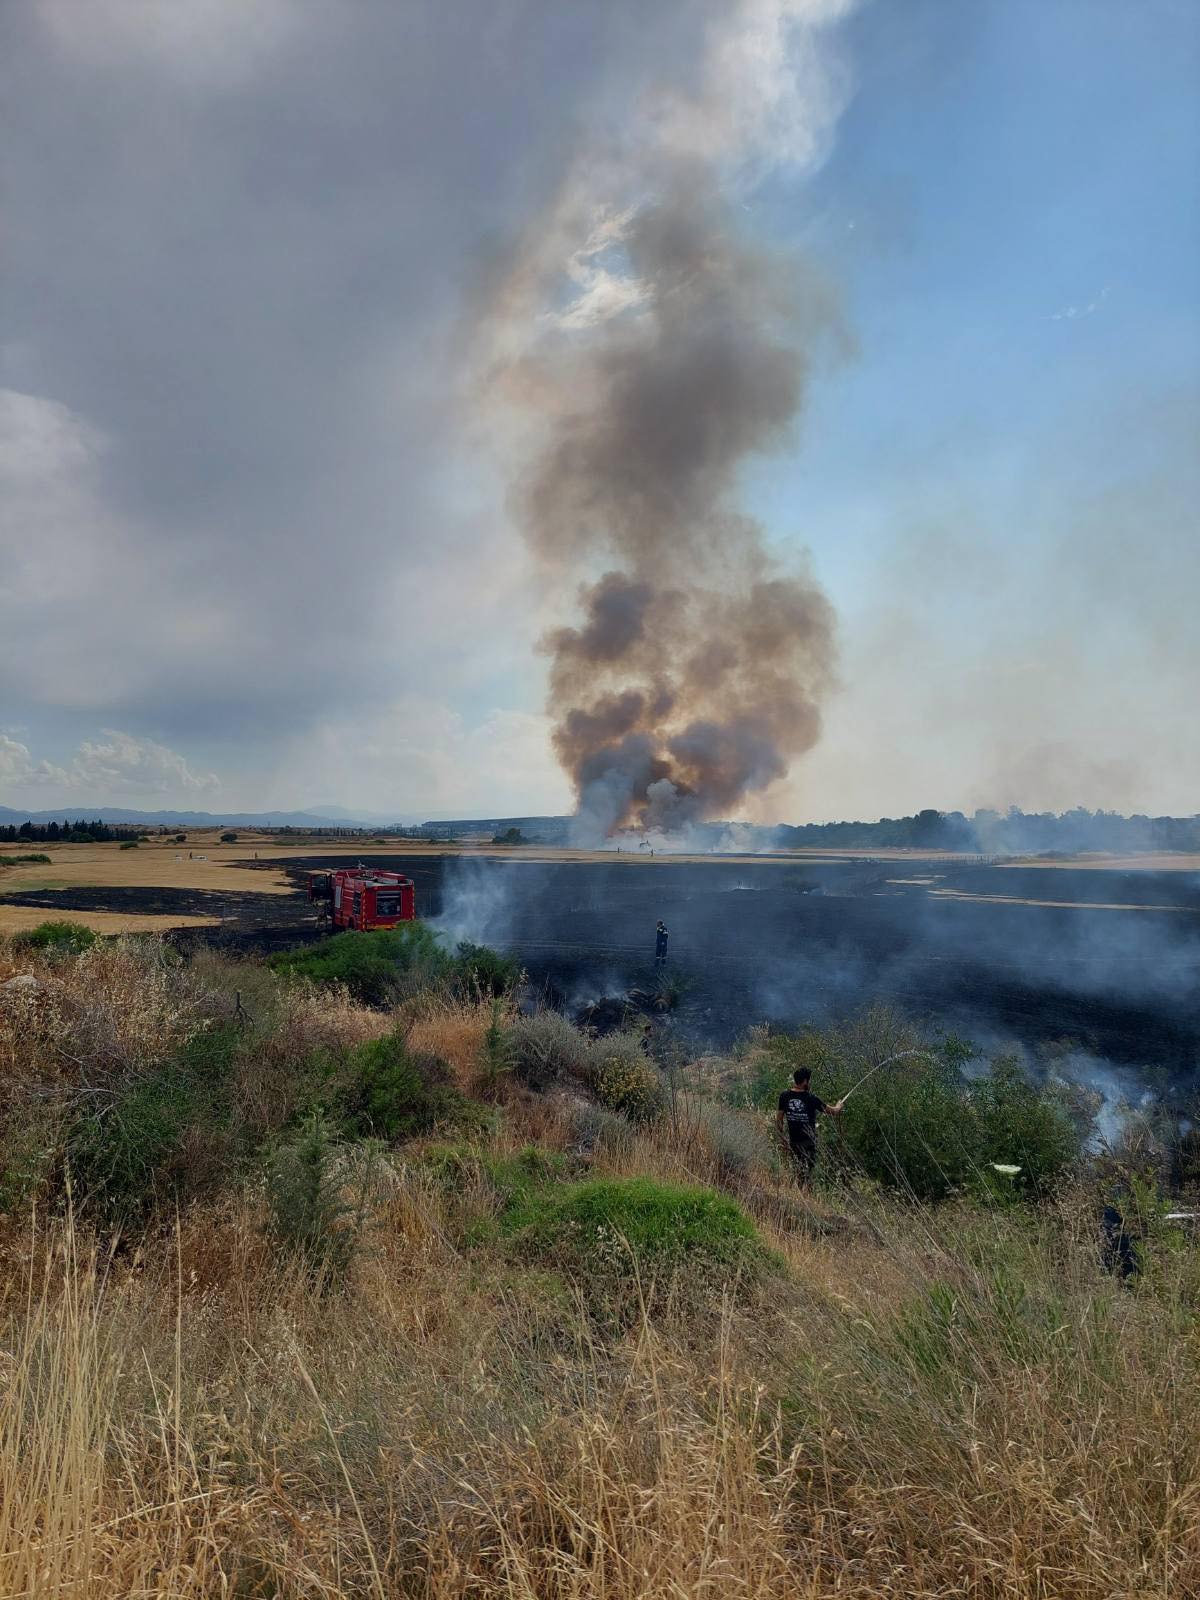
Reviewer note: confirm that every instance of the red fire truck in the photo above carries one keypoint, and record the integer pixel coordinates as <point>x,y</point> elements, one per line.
<point>363,897</point>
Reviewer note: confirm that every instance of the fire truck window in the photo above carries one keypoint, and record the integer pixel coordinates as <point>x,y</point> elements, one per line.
<point>387,905</point>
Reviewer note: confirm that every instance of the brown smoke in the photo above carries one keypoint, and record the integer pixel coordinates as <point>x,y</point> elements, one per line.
<point>694,675</point>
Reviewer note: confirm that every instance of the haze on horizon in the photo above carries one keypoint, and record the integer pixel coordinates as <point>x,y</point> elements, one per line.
<point>261,540</point>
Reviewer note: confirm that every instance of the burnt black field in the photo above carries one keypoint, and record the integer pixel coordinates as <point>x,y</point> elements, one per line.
<point>787,941</point>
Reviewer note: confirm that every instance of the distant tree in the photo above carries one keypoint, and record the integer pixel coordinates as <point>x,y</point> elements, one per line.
<point>509,836</point>
<point>927,828</point>
<point>229,838</point>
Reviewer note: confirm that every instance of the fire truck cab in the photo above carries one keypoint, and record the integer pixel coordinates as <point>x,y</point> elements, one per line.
<point>363,897</point>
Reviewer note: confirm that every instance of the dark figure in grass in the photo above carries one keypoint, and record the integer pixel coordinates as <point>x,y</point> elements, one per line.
<point>660,945</point>
<point>798,1111</point>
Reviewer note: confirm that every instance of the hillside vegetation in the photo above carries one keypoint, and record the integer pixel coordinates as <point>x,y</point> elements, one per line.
<point>343,1275</point>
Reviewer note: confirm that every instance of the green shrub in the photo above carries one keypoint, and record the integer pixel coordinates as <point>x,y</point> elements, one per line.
<point>920,1125</point>
<point>229,838</point>
<point>130,1151</point>
<point>129,844</point>
<point>32,858</point>
<point>496,1063</point>
<point>546,1047</point>
<point>624,1080</point>
<point>62,938</point>
<point>738,1141</point>
<point>374,966</point>
<point>308,1213</point>
<point>390,1092</point>
<point>29,1149</point>
<point>598,1131</point>
<point>483,971</point>
<point>606,1227</point>
<point>1024,1124</point>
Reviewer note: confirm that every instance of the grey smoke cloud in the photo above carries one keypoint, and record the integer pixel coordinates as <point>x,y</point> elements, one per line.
<point>695,674</point>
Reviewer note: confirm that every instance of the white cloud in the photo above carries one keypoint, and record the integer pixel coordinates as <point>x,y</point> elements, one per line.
<point>117,765</point>
<point>143,766</point>
<point>17,766</point>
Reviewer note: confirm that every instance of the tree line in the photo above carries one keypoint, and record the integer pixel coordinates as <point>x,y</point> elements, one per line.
<point>1013,832</point>
<point>84,831</point>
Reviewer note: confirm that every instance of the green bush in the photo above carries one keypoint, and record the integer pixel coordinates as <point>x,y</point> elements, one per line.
<point>483,971</point>
<point>374,966</point>
<point>623,1080</point>
<point>145,1143</point>
<point>606,1227</point>
<point>1022,1123</point>
<point>308,1213</point>
<point>496,1063</point>
<point>546,1047</point>
<point>32,858</point>
<point>601,1132</point>
<point>390,1092</point>
<point>129,844</point>
<point>30,1146</point>
<point>62,938</point>
<point>738,1141</point>
<point>229,838</point>
<point>920,1125</point>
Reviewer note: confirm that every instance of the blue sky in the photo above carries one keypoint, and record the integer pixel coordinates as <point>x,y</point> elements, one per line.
<point>1012,213</point>
<point>235,443</point>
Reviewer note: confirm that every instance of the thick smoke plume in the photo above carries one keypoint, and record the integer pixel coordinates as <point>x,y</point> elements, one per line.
<point>657,349</point>
<point>695,675</point>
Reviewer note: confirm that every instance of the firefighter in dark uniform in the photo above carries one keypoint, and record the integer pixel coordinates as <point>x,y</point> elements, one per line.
<point>798,1111</point>
<point>660,945</point>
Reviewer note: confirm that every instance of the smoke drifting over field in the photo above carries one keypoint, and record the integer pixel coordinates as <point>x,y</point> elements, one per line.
<point>656,347</point>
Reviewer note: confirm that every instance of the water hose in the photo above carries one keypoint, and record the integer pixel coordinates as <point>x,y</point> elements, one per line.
<point>899,1056</point>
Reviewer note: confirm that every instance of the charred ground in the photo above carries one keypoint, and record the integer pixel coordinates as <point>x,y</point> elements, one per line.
<point>1108,959</point>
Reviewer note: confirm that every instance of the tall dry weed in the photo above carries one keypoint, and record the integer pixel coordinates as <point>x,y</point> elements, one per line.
<point>454,1030</point>
<point>941,1403</point>
<point>87,1020</point>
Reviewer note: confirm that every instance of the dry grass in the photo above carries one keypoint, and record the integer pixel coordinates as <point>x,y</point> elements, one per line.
<point>205,1421</point>
<point>454,1030</point>
<point>113,1010</point>
<point>18,919</point>
<point>929,1403</point>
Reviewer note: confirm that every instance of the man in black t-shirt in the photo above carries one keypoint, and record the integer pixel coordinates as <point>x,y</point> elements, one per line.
<point>798,1111</point>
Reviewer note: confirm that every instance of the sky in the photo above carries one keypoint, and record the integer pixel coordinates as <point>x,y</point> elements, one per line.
<point>259,537</point>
